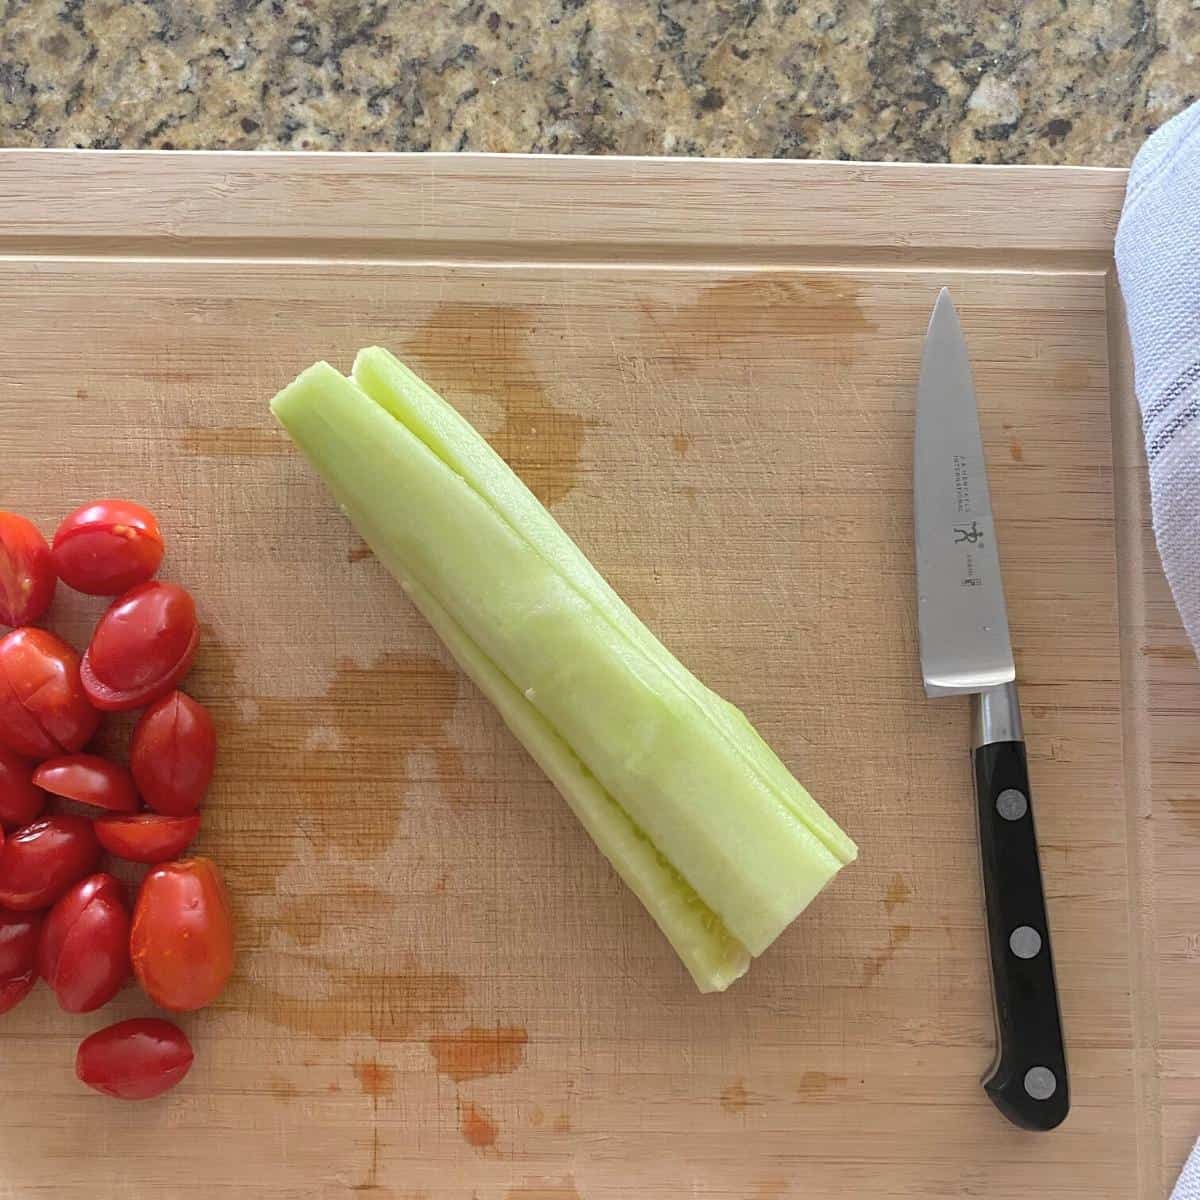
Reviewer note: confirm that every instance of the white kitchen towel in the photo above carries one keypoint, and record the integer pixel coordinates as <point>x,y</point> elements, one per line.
<point>1158,262</point>
<point>1188,1187</point>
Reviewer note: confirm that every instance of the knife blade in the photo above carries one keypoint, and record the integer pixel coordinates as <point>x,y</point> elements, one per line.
<point>965,648</point>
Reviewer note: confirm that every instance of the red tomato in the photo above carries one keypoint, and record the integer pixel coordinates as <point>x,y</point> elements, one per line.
<point>89,779</point>
<point>18,942</point>
<point>107,547</point>
<point>27,576</point>
<point>147,837</point>
<point>13,991</point>
<point>172,754</point>
<point>142,647</point>
<point>182,940</point>
<point>83,951</point>
<point>18,951</point>
<point>40,862</point>
<point>134,1060</point>
<point>20,801</point>
<point>43,708</point>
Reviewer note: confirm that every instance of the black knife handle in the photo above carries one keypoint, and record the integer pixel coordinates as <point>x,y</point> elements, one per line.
<point>1028,1081</point>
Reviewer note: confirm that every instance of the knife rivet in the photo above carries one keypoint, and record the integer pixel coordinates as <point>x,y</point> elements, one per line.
<point>1040,1083</point>
<point>1025,941</point>
<point>1011,804</point>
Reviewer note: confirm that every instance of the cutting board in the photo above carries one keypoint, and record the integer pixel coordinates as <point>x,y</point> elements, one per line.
<point>707,371</point>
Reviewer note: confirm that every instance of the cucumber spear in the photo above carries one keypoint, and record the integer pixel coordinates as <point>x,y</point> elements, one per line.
<point>693,809</point>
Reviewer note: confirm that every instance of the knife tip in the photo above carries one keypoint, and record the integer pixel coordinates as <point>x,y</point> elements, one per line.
<point>944,313</point>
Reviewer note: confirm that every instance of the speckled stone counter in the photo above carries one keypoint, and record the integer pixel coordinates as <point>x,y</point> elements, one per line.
<point>1063,81</point>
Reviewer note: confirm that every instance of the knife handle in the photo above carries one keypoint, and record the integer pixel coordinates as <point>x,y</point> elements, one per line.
<point>1028,1080</point>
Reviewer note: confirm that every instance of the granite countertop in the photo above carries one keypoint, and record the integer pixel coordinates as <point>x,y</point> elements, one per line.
<point>1046,81</point>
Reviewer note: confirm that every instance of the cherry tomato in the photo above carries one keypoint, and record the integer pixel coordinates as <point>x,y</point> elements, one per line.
<point>18,951</point>
<point>40,862</point>
<point>107,547</point>
<point>142,647</point>
<point>20,801</point>
<point>83,950</point>
<point>182,940</point>
<point>134,1060</point>
<point>18,942</point>
<point>172,754</point>
<point>89,779</point>
<point>27,576</point>
<point>43,708</point>
<point>13,991</point>
<point>147,837</point>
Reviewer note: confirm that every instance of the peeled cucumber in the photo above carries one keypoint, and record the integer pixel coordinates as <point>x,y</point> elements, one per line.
<point>697,814</point>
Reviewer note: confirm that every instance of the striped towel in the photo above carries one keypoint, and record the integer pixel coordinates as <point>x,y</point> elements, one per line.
<point>1158,261</point>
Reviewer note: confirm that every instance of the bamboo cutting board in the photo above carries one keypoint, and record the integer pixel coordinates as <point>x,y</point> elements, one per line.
<point>707,371</point>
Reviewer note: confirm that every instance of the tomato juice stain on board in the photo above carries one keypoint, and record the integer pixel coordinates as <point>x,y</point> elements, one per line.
<point>474,1053</point>
<point>466,350</point>
<point>344,1001</point>
<point>735,1098</point>
<point>813,1084</point>
<point>374,1078</point>
<point>477,1125</point>
<point>898,892</point>
<point>281,1088</point>
<point>306,917</point>
<point>897,936</point>
<point>337,763</point>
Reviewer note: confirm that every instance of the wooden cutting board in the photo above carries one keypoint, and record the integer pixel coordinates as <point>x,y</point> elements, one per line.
<point>707,371</point>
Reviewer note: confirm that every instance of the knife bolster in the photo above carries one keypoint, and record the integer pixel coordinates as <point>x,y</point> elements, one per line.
<point>996,716</point>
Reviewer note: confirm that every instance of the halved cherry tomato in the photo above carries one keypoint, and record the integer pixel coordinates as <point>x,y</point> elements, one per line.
<point>27,576</point>
<point>147,837</point>
<point>18,951</point>
<point>100,886</point>
<point>43,708</point>
<point>172,754</point>
<point>182,939</point>
<point>13,991</point>
<point>40,862</point>
<point>89,779</point>
<point>20,801</point>
<point>107,547</point>
<point>142,647</point>
<point>134,1060</point>
<point>83,950</point>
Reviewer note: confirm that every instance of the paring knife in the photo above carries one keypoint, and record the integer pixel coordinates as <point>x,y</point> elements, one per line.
<point>965,648</point>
